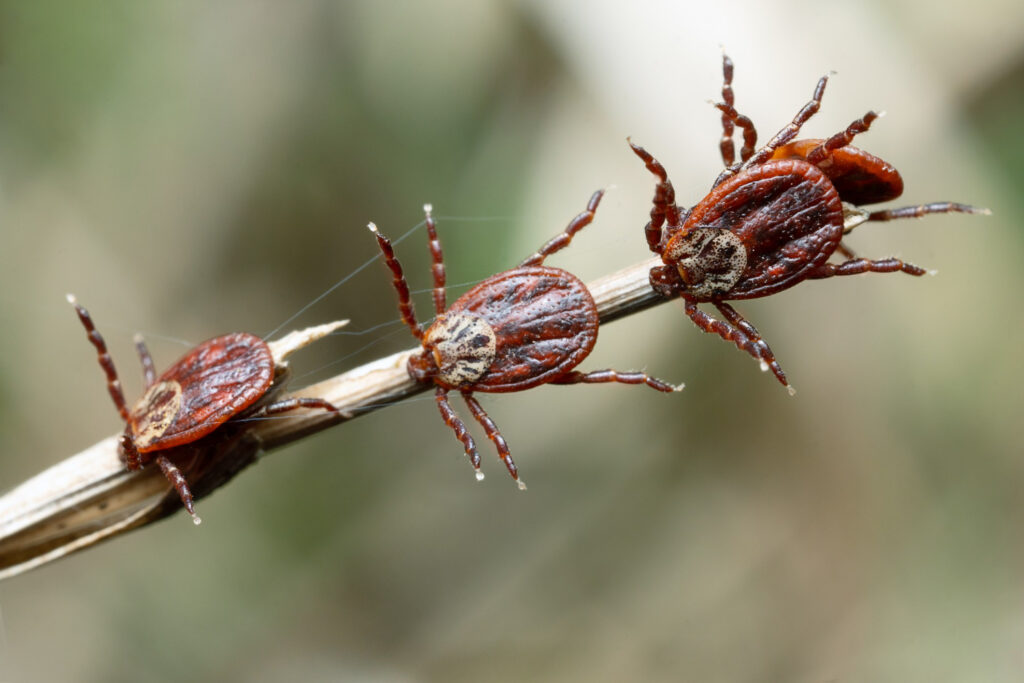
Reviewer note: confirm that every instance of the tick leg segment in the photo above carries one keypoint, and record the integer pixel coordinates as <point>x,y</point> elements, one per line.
<point>759,347</point>
<point>132,458</point>
<point>459,427</point>
<point>846,251</point>
<point>749,132</point>
<point>741,333</point>
<point>293,403</point>
<point>177,480</point>
<point>106,362</point>
<point>438,261</point>
<point>862,265</point>
<point>726,146</point>
<point>398,279</point>
<point>494,435</point>
<point>792,129</point>
<point>602,376</point>
<point>562,240</point>
<point>821,155</point>
<point>148,369</point>
<point>664,203</point>
<point>729,121</point>
<point>924,210</point>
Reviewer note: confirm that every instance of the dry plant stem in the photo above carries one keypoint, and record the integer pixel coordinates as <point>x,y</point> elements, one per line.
<point>90,496</point>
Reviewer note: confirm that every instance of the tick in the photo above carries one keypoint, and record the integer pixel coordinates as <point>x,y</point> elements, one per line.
<point>226,378</point>
<point>771,220</point>
<point>521,328</point>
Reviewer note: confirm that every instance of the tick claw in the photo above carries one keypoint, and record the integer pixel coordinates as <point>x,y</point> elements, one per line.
<point>522,484</point>
<point>479,475</point>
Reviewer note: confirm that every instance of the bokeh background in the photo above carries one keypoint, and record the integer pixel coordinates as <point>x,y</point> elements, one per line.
<point>191,168</point>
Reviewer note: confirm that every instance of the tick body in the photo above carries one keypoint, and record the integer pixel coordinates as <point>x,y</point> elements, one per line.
<point>859,177</point>
<point>771,220</point>
<point>224,378</point>
<point>518,329</point>
<point>515,330</point>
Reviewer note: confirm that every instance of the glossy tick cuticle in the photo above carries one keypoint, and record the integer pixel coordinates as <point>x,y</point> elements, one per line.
<point>521,328</point>
<point>222,379</point>
<point>772,219</point>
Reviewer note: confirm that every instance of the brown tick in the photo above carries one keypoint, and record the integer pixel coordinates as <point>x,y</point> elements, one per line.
<point>771,220</point>
<point>225,378</point>
<point>515,330</point>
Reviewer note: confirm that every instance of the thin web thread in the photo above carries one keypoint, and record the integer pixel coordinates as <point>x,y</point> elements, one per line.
<point>366,264</point>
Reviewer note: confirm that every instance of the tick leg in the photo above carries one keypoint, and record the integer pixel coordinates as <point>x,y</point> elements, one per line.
<point>602,376</point>
<point>863,265</point>
<point>924,210</point>
<point>438,261</point>
<point>760,348</point>
<point>132,459</point>
<point>398,279</point>
<point>731,118</point>
<point>494,435</point>
<point>742,334</point>
<point>148,369</point>
<point>106,362</point>
<point>846,251</point>
<point>561,241</point>
<point>792,129</point>
<point>821,155</point>
<point>177,480</point>
<point>293,403</point>
<point>664,203</point>
<point>788,132</point>
<point>726,146</point>
<point>459,427</point>
<point>749,132</point>
<point>734,119</point>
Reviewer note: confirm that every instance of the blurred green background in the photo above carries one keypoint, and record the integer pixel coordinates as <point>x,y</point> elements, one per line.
<point>191,168</point>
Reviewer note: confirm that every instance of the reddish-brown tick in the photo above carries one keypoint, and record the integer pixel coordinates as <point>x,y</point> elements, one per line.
<point>771,220</point>
<point>221,379</point>
<point>515,330</point>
